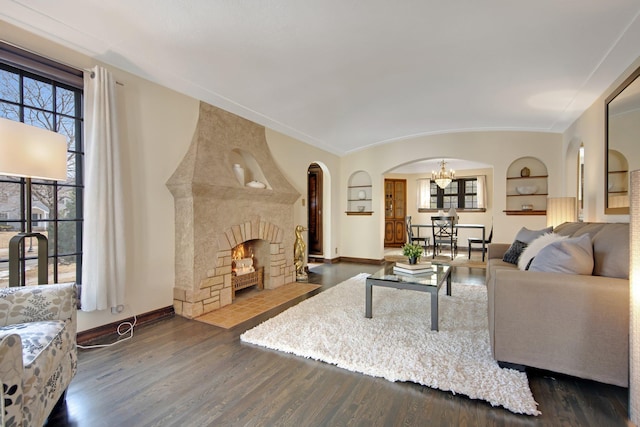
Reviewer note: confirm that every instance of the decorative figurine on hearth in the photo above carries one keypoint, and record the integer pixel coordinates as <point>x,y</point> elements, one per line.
<point>299,254</point>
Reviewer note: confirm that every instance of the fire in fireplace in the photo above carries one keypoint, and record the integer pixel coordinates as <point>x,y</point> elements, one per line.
<point>245,272</point>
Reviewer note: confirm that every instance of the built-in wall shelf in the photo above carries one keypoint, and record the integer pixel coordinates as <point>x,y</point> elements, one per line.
<point>527,195</point>
<point>359,194</point>
<point>521,212</point>
<point>526,175</point>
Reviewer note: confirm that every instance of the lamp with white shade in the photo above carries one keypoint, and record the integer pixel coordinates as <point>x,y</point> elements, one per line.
<point>30,152</point>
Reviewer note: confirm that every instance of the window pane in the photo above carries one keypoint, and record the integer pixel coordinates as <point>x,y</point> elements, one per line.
<point>9,111</point>
<point>42,200</point>
<point>9,86</point>
<point>67,127</point>
<point>37,118</point>
<point>450,201</point>
<point>71,169</point>
<point>67,207</point>
<point>10,203</point>
<point>471,202</point>
<point>65,101</point>
<point>38,94</point>
<point>471,186</point>
<point>67,269</point>
<point>67,237</point>
<point>452,188</point>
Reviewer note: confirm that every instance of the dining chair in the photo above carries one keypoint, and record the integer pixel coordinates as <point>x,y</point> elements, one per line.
<point>444,234</point>
<point>423,241</point>
<point>479,241</point>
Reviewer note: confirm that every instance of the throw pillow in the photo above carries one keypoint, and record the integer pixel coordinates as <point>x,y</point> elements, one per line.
<point>534,247</point>
<point>573,256</point>
<point>513,253</point>
<point>527,236</point>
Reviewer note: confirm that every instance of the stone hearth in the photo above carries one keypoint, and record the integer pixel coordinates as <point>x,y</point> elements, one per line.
<point>215,212</point>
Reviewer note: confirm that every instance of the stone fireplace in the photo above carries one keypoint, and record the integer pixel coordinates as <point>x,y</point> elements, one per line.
<point>216,210</point>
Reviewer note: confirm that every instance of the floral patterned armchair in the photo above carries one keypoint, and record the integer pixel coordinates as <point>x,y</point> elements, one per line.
<point>38,354</point>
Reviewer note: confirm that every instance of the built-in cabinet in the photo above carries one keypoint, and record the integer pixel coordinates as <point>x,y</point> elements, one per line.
<point>395,211</point>
<point>527,187</point>
<point>359,194</point>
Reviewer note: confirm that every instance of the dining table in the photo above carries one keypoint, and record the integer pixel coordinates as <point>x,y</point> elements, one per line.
<point>458,226</point>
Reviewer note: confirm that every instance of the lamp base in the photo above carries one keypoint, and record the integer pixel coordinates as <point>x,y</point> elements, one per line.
<point>14,258</point>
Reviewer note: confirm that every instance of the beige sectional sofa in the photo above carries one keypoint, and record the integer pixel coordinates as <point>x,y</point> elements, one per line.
<point>567,323</point>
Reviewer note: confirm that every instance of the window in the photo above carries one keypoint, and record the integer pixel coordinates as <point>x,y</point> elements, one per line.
<point>461,194</point>
<point>48,95</point>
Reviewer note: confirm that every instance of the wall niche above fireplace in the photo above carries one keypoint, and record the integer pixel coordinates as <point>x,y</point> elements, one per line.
<point>247,170</point>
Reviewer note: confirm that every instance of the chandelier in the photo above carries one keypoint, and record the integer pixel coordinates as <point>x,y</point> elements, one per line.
<point>443,178</point>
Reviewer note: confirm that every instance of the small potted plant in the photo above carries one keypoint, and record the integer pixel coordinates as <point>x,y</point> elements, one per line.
<point>412,252</point>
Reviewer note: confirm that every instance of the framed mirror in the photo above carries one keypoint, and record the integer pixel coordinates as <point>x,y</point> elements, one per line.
<point>622,143</point>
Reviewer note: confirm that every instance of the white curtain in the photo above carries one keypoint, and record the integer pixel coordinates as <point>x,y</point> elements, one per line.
<point>482,191</point>
<point>424,193</point>
<point>103,261</point>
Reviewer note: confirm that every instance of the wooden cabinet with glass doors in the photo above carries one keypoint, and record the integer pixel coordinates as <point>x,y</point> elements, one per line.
<point>395,210</point>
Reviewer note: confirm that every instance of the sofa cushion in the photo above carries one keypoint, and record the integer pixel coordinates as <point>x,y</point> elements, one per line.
<point>610,245</point>
<point>534,247</point>
<point>611,251</point>
<point>527,236</point>
<point>513,253</point>
<point>571,255</point>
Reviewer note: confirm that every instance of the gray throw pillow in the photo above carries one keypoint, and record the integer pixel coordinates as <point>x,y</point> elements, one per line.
<point>527,236</point>
<point>513,253</point>
<point>573,256</point>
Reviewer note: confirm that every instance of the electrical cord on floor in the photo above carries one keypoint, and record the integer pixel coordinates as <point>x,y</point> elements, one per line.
<point>129,331</point>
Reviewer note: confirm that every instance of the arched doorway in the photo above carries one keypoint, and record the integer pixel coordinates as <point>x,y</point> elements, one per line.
<point>314,196</point>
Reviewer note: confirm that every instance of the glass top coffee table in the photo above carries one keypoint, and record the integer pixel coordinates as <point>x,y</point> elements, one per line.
<point>426,282</point>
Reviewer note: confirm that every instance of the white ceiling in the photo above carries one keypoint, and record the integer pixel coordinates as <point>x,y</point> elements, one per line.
<point>343,74</point>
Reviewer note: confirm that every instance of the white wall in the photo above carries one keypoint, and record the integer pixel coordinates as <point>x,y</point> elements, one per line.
<point>294,157</point>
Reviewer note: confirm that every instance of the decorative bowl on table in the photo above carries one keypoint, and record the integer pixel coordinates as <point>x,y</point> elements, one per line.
<point>527,189</point>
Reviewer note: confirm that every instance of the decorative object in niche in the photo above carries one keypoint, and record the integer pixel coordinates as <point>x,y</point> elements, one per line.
<point>525,172</point>
<point>360,208</point>
<point>239,172</point>
<point>362,195</point>
<point>527,207</point>
<point>256,184</point>
<point>527,189</point>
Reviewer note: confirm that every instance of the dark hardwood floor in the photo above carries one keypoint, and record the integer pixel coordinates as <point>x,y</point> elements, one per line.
<point>179,372</point>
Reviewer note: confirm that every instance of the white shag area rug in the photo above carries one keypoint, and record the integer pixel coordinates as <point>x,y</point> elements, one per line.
<point>397,343</point>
